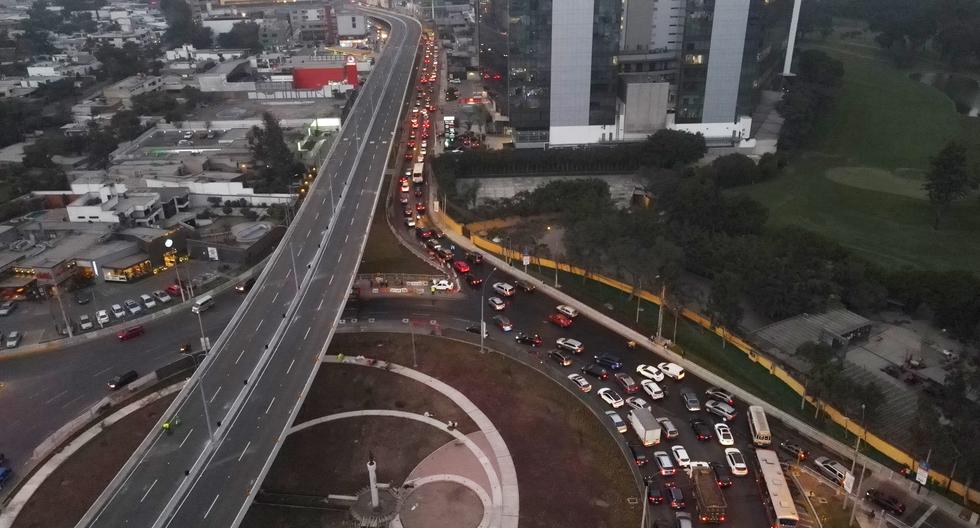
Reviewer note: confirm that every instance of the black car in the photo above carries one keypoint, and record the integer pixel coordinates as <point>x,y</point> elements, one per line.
<point>474,258</point>
<point>609,361</point>
<point>83,297</point>
<point>723,475</point>
<point>244,287</point>
<point>886,501</point>
<point>701,430</point>
<point>638,455</point>
<point>473,280</point>
<point>525,339</point>
<point>676,496</point>
<point>795,450</point>
<point>527,287</point>
<point>595,371</point>
<point>120,381</point>
<point>654,494</point>
<point>560,358</point>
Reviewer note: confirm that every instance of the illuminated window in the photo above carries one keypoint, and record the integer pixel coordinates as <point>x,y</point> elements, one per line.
<point>694,58</point>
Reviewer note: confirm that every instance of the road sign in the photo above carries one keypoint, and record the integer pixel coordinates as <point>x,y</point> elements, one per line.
<point>922,474</point>
<point>849,482</point>
<point>526,259</point>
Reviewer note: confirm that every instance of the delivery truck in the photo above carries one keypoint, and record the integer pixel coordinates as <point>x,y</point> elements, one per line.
<point>646,426</point>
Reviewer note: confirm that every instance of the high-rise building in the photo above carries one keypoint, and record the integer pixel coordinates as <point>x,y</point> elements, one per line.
<point>549,66</point>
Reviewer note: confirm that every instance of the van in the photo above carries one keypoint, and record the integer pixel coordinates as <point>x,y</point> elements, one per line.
<point>204,303</point>
<point>831,469</point>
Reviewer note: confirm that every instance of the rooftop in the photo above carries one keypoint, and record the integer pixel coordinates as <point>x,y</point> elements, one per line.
<point>51,253</point>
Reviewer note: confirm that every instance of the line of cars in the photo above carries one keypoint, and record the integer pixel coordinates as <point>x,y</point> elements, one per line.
<point>419,132</point>
<point>129,308</point>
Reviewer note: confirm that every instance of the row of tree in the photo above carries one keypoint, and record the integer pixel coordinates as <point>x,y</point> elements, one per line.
<point>808,97</point>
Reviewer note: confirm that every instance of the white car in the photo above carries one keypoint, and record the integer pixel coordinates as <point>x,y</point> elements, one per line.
<point>635,402</point>
<point>148,301</point>
<point>650,371</point>
<point>652,389</point>
<point>736,462</point>
<point>567,310</point>
<point>503,289</point>
<point>681,456</point>
<point>117,311</point>
<point>85,322</point>
<point>133,306</point>
<point>572,345</point>
<point>13,339</point>
<point>664,462</point>
<point>580,382</point>
<point>672,370</point>
<point>724,434</point>
<point>496,303</point>
<point>102,317</point>
<point>609,396</point>
<point>442,284</point>
<point>410,222</point>
<point>162,296</point>
<point>617,421</point>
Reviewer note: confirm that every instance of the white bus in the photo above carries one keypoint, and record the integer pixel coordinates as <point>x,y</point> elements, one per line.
<point>775,491</point>
<point>759,427</point>
<point>417,173</point>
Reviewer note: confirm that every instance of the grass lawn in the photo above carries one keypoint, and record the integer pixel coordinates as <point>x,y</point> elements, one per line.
<point>383,253</point>
<point>860,183</point>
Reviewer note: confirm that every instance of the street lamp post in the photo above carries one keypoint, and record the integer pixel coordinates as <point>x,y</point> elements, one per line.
<point>204,400</point>
<point>483,303</point>
<point>660,312</point>
<point>857,445</point>
<point>169,243</point>
<point>292,258</point>
<point>64,316</point>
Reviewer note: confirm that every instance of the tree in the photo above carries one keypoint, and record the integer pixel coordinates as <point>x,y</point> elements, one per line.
<point>277,164</point>
<point>181,28</point>
<point>243,35</point>
<point>671,148</point>
<point>733,170</point>
<point>101,144</point>
<point>38,156</point>
<point>724,306</point>
<point>126,125</point>
<point>947,180</point>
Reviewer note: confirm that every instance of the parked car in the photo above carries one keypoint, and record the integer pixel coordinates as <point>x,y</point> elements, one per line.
<point>690,399</point>
<point>129,333</point>
<point>617,421</point>
<point>148,301</point>
<point>625,381</point>
<point>121,380</point>
<point>672,370</point>
<point>891,504</point>
<point>609,361</point>
<point>503,323</point>
<point>650,372</point>
<point>572,345</point>
<point>173,289</point>
<point>7,308</point>
<point>560,358</point>
<point>581,383</point>
<point>595,371</point>
<point>611,397</point>
<point>133,307</point>
<point>102,317</point>
<point>117,311</point>
<point>561,320</point>
<point>13,339</point>
<point>162,296</point>
<point>85,322</point>
<point>83,297</point>
<point>566,310</point>
<point>736,462</point>
<point>496,303</point>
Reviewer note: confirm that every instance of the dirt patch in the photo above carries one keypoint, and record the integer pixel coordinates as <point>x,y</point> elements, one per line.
<point>569,470</point>
<point>340,388</point>
<point>330,458</point>
<point>69,492</point>
<point>442,504</point>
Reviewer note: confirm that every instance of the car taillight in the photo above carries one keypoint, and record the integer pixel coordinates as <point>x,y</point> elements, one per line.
<point>722,518</point>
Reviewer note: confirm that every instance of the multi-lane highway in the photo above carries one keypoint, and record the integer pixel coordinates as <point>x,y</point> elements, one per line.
<point>204,472</point>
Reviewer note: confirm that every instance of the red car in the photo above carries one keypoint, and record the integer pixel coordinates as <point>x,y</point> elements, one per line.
<point>129,333</point>
<point>561,320</point>
<point>173,289</point>
<point>629,386</point>
<point>461,267</point>
<point>420,208</point>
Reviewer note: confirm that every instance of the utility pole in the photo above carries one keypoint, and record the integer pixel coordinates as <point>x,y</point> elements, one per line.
<point>483,304</point>
<point>660,312</point>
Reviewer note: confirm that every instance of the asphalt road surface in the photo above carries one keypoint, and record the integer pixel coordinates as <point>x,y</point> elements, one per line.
<point>254,379</point>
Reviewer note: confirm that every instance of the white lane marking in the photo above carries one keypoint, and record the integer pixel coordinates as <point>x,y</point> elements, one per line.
<point>290,270</point>
<point>308,232</point>
<point>317,217</point>
<point>185,438</point>
<point>244,450</point>
<point>259,325</point>
<point>215,395</point>
<point>240,354</point>
<point>71,401</point>
<point>346,238</point>
<point>148,490</point>
<point>290,366</point>
<point>307,334</point>
<point>300,252</point>
<point>328,284</point>
<point>211,506</point>
<point>340,256</point>
<point>319,305</point>
<point>101,372</point>
<point>270,405</point>
<point>60,394</point>
<point>274,297</point>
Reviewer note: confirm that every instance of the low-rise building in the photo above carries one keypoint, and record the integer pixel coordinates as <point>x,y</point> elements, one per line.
<point>124,90</point>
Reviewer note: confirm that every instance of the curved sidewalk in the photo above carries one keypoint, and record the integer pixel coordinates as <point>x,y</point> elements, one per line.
<point>507,503</point>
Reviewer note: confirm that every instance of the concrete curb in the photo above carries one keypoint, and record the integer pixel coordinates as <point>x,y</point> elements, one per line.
<point>629,334</point>
<point>41,474</point>
<point>111,330</point>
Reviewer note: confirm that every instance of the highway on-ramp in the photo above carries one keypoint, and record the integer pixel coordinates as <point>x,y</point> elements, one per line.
<point>232,414</point>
